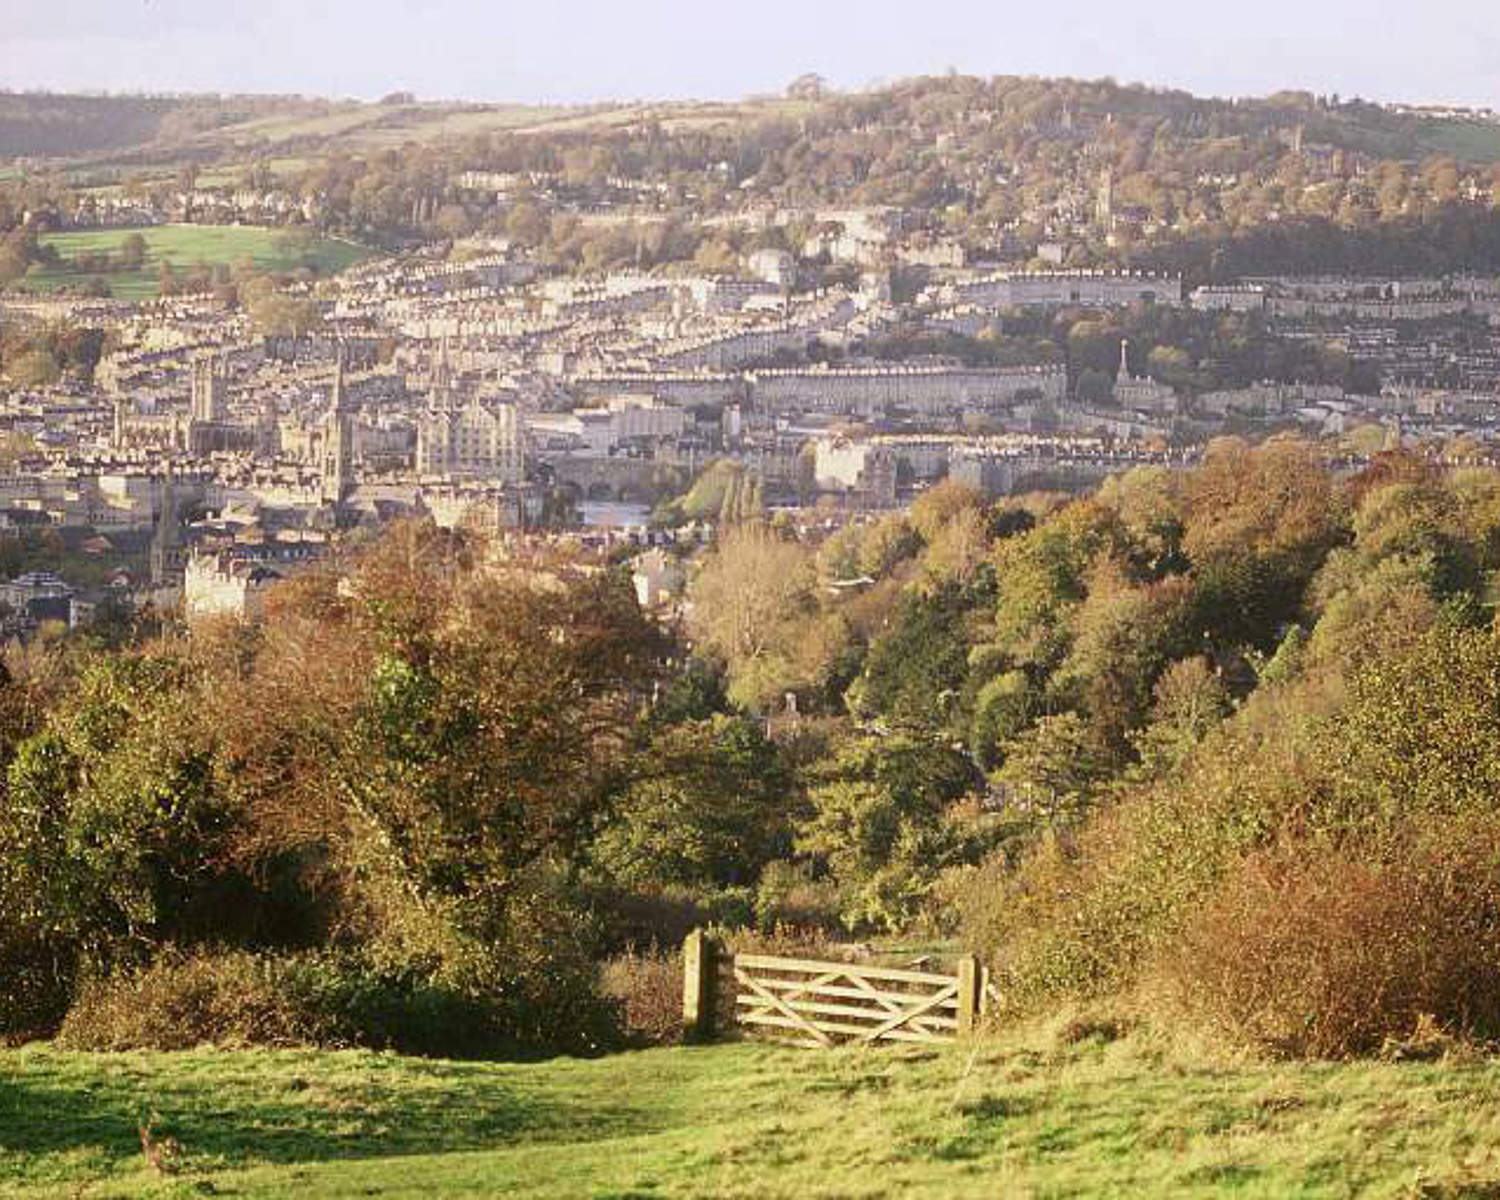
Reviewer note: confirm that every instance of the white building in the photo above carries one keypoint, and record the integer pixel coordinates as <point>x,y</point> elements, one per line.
<point>926,390</point>
<point>775,267</point>
<point>221,585</point>
<point>859,465</point>
<point>602,429</point>
<point>658,578</point>
<point>1087,289</point>
<point>1241,298</point>
<point>481,439</point>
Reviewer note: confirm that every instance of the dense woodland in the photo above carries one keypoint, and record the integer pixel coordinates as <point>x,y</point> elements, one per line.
<point>1219,745</point>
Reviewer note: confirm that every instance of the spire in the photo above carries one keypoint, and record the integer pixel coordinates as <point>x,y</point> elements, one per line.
<point>442,378</point>
<point>338,440</point>
<point>338,378</point>
<point>1124,359</point>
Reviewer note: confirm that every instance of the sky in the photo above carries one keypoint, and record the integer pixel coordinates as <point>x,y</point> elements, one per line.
<point>566,51</point>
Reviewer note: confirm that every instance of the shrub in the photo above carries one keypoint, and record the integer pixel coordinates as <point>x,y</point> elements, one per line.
<point>880,822</point>
<point>236,999</point>
<point>1083,907</point>
<point>788,895</point>
<point>35,982</point>
<point>793,941</point>
<point>647,987</point>
<point>182,1001</point>
<point>709,808</point>
<point>663,916</point>
<point>1313,952</point>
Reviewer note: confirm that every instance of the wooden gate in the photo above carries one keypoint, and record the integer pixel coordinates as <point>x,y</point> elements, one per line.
<point>812,1003</point>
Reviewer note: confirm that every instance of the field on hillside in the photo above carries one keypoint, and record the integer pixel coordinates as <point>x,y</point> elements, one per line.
<point>1034,1115</point>
<point>185,247</point>
<point>1468,141</point>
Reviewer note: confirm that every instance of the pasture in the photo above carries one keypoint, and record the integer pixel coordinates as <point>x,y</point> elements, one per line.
<point>1066,1110</point>
<point>185,247</point>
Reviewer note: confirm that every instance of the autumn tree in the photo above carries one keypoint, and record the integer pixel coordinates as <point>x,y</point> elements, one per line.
<point>746,601</point>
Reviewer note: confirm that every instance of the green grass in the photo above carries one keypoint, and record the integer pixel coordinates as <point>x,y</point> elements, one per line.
<point>1024,1116</point>
<point>226,176</point>
<point>1468,141</point>
<point>186,246</point>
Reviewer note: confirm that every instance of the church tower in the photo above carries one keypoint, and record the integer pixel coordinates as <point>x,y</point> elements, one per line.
<point>268,430</point>
<point>209,388</point>
<point>167,536</point>
<point>338,441</point>
<point>442,379</point>
<point>1104,209</point>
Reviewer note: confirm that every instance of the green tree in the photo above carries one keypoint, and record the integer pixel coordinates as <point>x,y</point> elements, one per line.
<point>711,805</point>
<point>880,824</point>
<point>112,821</point>
<point>1053,768</point>
<point>915,672</point>
<point>133,251</point>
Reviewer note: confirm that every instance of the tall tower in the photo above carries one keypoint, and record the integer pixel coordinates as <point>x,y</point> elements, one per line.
<point>1104,208</point>
<point>442,378</point>
<point>268,430</point>
<point>208,391</point>
<point>338,441</point>
<point>1124,375</point>
<point>167,536</point>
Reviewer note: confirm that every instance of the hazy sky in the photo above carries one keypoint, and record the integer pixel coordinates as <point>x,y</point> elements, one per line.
<point>576,50</point>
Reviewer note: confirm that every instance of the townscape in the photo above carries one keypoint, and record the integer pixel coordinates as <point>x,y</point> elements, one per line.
<point>936,638</point>
<point>848,355</point>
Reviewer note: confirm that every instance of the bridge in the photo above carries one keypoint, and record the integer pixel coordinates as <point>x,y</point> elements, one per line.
<point>620,479</point>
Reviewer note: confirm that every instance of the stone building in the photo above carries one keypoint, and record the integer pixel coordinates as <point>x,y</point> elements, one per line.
<point>930,391</point>
<point>475,439</point>
<point>222,585</point>
<point>1142,393</point>
<point>336,457</point>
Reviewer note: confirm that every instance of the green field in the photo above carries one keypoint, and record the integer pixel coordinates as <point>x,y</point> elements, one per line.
<point>186,246</point>
<point>1468,141</point>
<point>1039,1115</point>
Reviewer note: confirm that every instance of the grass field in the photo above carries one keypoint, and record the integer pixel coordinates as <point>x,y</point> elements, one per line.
<point>186,246</point>
<point>1024,1116</point>
<point>1468,141</point>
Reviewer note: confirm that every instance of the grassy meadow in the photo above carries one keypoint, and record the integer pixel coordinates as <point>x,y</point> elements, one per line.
<point>185,247</point>
<point>1468,141</point>
<point>1039,1114</point>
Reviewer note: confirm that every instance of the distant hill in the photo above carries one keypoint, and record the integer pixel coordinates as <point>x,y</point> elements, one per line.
<point>156,130</point>
<point>1093,172</point>
<point>45,125</point>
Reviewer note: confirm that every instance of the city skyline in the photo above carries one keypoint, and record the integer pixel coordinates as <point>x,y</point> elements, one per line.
<point>1446,52</point>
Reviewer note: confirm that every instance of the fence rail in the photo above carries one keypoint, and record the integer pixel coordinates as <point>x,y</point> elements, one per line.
<point>821,1004</point>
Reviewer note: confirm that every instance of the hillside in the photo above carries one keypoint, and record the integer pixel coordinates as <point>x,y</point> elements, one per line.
<point>144,129</point>
<point>43,125</point>
<point>1036,1113</point>
<point>1095,173</point>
